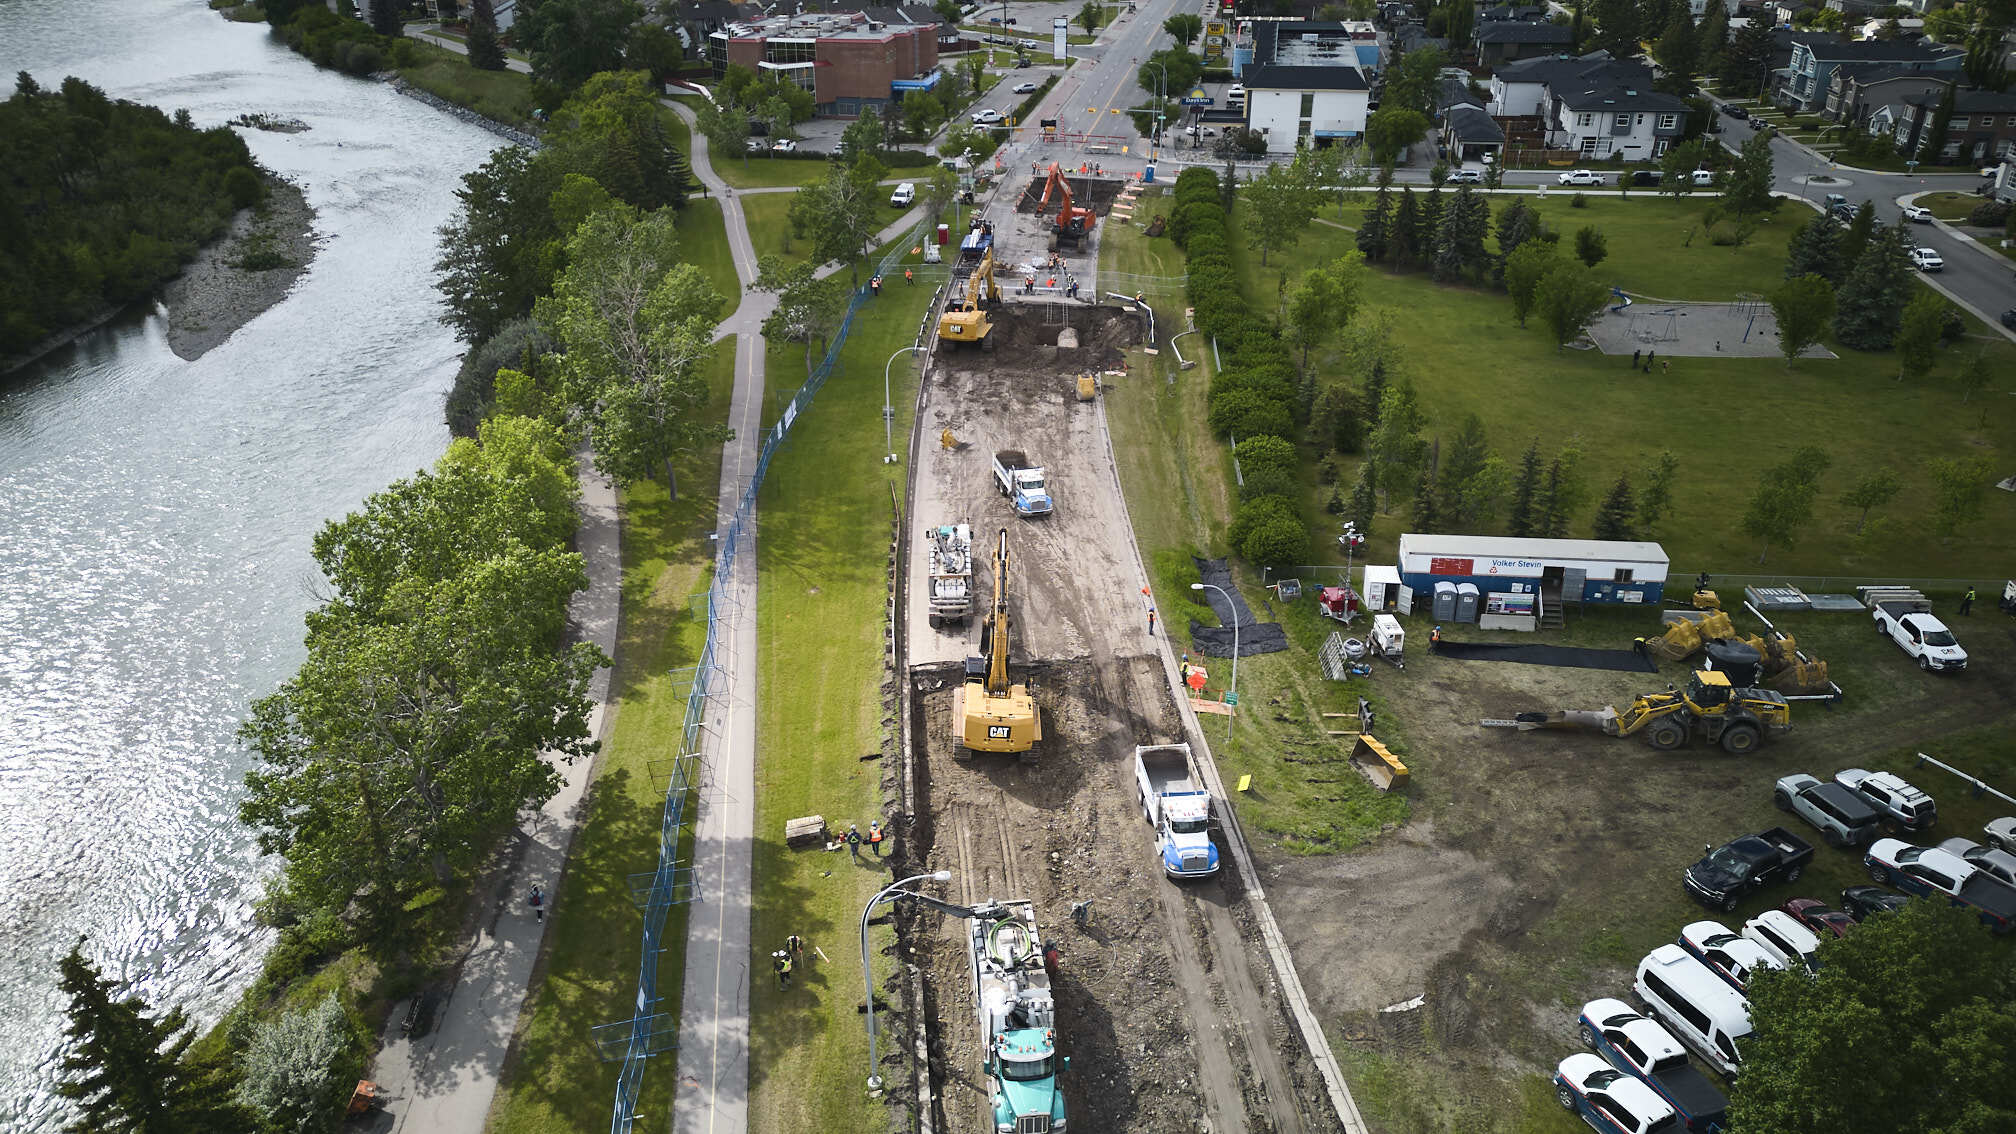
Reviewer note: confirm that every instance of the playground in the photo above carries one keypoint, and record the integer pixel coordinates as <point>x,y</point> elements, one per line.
<point>1743,328</point>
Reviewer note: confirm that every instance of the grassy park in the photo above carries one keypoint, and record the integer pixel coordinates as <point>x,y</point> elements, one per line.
<point>505,96</point>
<point>554,1081</point>
<point>827,508</point>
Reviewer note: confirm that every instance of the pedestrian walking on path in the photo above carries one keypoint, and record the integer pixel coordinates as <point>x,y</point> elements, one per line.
<point>537,900</point>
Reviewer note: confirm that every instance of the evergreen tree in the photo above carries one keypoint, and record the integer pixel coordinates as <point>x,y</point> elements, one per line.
<point>1448,262</point>
<point>1590,245</point>
<point>1871,303</point>
<point>1657,495</point>
<point>1375,235</point>
<point>1918,331</point>
<point>1526,494</point>
<point>1934,148</point>
<point>1854,241</point>
<point>1578,30</point>
<point>128,1071</point>
<point>1678,51</point>
<point>1815,251</point>
<point>1617,27</point>
<point>1427,515</point>
<point>1745,64</point>
<point>1374,397</point>
<point>387,19</point>
<point>1466,458</point>
<point>484,52</point>
<point>1405,241</point>
<point>1517,224</point>
<point>1710,37</point>
<point>1430,226</point>
<point>1613,516</point>
<point>1364,497</point>
<point>1470,220</point>
<point>1987,64</point>
<point>1550,520</point>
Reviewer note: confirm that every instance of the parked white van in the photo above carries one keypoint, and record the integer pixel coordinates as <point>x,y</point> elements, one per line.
<point>1695,1005</point>
<point>905,195</point>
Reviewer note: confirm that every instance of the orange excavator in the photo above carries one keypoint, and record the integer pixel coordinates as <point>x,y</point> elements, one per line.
<point>1073,223</point>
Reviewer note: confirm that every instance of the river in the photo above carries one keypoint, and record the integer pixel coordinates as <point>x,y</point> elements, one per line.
<point>155,519</point>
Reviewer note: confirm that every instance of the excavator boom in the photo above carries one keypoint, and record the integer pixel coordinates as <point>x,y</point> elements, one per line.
<point>991,712</point>
<point>997,624</point>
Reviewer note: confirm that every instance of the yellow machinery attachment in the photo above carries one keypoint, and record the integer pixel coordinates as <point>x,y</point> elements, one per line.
<point>1687,637</point>
<point>965,319</point>
<point>991,714</point>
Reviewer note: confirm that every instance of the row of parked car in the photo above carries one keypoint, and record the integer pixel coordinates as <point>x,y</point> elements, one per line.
<point>1635,1077</point>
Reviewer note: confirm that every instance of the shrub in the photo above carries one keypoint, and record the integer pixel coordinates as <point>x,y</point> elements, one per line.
<point>244,187</point>
<point>1267,530</point>
<point>1266,481</point>
<point>1989,214</point>
<point>1255,512</point>
<point>1265,451</point>
<point>1243,413</point>
<point>517,344</point>
<point>1579,201</point>
<point>363,59</point>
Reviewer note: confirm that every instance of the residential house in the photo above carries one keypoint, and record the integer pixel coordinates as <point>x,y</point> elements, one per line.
<point>1611,118</point>
<point>1855,10</point>
<point>1519,89</point>
<point>1982,130</point>
<point>1874,29</point>
<point>1310,43</point>
<point>1503,41</point>
<point>1471,134</point>
<point>1803,85</point>
<point>1295,106</point>
<point>1858,90</point>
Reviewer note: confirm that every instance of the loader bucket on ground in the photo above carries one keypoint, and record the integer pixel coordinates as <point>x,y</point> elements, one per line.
<point>1378,765</point>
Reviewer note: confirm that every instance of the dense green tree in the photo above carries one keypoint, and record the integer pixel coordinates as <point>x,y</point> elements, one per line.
<point>809,309</point>
<point>571,40</point>
<point>1413,82</point>
<point>1906,1027</point>
<point>1375,232</point>
<point>1396,442</point>
<point>1390,130</point>
<point>1803,307</point>
<point>1712,37</point>
<point>1679,51</point>
<point>841,213</point>
<point>1518,223</point>
<point>1569,298</point>
<point>1465,229</point>
<point>1872,301</point>
<point>1932,151</point>
<point>1279,204</point>
<point>1815,250</point>
<point>1747,192</point>
<point>388,18</point>
<point>613,130</point>
<point>1550,519</point>
<point>923,113</point>
<point>1876,488</point>
<point>1987,63</point>
<point>293,1066</point>
<point>1958,485</point>
<point>1184,28</point>
<point>1918,332</point>
<point>1676,169</point>
<point>1171,70</point>
<point>1855,238</point>
<point>1323,304</point>
<point>128,1071</point>
<point>1591,247</point>
<point>1524,520</point>
<point>637,329</point>
<point>1462,22</point>
<point>1782,506</point>
<point>1427,517</point>
<point>1404,245</point>
<point>1619,27</point>
<point>1614,515</point>
<point>726,128</point>
<point>1745,64</point>
<point>1656,496</point>
<point>496,258</point>
<point>1090,16</point>
<point>1364,503</point>
<point>1524,269</point>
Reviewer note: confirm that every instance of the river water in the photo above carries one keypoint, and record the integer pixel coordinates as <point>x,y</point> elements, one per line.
<point>155,518</point>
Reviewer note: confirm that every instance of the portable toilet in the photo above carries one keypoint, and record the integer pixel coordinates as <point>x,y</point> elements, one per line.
<point>1444,608</point>
<point>1468,601</point>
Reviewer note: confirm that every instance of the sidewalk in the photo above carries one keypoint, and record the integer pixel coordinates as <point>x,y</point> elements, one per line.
<point>444,1082</point>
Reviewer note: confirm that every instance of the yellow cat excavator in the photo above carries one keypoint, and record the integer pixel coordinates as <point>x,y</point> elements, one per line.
<point>965,319</point>
<point>991,714</point>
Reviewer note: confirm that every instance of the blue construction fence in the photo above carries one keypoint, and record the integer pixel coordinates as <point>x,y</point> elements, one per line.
<point>651,1032</point>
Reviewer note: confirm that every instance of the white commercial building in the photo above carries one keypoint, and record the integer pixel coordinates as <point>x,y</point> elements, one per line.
<point>1311,106</point>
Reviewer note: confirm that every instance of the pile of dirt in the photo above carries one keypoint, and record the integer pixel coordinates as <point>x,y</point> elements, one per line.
<point>1025,340</point>
<point>1095,193</point>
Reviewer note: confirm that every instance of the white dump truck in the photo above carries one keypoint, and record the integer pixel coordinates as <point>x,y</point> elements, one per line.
<point>1174,802</point>
<point>1021,482</point>
<point>1018,1019</point>
<point>951,584</point>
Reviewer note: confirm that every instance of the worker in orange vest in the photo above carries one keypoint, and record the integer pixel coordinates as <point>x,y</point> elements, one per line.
<point>909,277</point>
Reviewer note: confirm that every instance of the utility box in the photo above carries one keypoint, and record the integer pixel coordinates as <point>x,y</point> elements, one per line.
<point>1444,606</point>
<point>1468,601</point>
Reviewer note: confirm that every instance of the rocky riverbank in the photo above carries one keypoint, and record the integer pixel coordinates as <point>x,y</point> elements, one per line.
<point>509,133</point>
<point>251,268</point>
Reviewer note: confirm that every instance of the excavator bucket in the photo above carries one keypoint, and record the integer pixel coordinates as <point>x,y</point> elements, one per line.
<point>1378,765</point>
<point>1685,638</point>
<point>1801,678</point>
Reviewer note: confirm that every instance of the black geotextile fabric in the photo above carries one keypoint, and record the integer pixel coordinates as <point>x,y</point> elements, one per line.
<point>1216,641</point>
<point>1254,638</point>
<point>1567,657</point>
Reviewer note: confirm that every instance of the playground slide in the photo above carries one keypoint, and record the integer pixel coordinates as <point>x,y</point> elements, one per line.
<point>1619,293</point>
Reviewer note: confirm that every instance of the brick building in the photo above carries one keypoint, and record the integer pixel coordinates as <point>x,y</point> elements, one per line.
<point>850,61</point>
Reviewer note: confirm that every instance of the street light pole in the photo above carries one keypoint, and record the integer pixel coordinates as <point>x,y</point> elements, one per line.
<point>1235,651</point>
<point>867,975</point>
<point>889,411</point>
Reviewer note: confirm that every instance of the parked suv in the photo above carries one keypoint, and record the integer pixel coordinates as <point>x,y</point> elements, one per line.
<point>1842,816</point>
<point>1900,803</point>
<point>1734,957</point>
<point>1610,1101</point>
<point>1999,863</point>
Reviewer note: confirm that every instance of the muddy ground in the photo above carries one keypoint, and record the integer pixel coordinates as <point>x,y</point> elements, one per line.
<point>1166,1003</point>
<point>1095,193</point>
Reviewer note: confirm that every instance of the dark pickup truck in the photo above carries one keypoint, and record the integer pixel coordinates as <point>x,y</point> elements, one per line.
<point>1726,873</point>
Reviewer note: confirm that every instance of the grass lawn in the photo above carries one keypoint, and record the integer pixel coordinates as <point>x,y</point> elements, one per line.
<point>503,95</point>
<point>704,243</point>
<point>753,172</point>
<point>769,216</point>
<point>826,514</point>
<point>588,976</point>
<point>1952,207</point>
<point>1464,353</point>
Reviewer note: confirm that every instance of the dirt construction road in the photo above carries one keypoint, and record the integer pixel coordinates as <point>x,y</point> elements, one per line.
<point>1169,1013</point>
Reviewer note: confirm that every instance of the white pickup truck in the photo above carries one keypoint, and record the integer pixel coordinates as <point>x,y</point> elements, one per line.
<point>1911,625</point>
<point>1175,803</point>
<point>1021,482</point>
